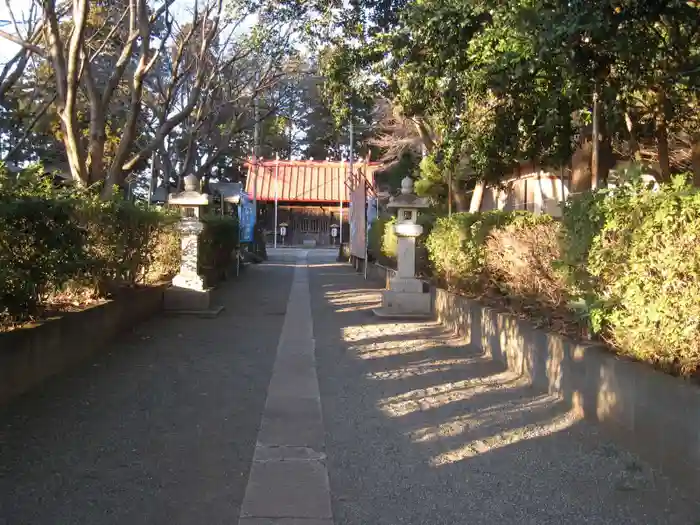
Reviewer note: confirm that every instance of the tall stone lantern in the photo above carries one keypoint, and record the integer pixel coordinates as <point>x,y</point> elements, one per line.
<point>188,293</point>
<point>405,296</point>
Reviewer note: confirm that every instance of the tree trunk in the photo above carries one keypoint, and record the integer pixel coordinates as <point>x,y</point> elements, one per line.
<point>477,197</point>
<point>595,140</point>
<point>98,138</point>
<point>634,143</point>
<point>662,137</point>
<point>695,159</point>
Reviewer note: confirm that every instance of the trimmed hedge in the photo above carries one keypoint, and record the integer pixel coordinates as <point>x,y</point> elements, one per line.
<point>624,262</point>
<point>218,242</point>
<point>62,245</point>
<point>632,257</point>
<point>381,242</point>
<point>457,245</point>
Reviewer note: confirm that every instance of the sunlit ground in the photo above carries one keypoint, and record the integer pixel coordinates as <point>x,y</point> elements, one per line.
<point>469,404</point>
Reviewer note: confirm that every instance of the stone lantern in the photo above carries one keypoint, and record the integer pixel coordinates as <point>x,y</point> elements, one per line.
<point>405,296</point>
<point>188,293</point>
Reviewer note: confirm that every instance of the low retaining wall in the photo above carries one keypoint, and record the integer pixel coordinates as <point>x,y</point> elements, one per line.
<point>30,355</point>
<point>648,412</point>
<point>379,273</point>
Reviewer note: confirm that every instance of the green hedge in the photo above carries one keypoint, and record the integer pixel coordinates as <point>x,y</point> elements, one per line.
<point>60,245</point>
<point>632,256</point>
<point>68,243</point>
<point>624,261</point>
<point>382,243</point>
<point>457,244</point>
<point>42,247</point>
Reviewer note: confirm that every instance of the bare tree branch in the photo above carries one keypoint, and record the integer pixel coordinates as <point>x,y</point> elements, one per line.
<point>29,128</point>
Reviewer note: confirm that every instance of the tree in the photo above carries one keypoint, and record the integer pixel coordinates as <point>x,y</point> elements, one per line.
<point>123,79</point>
<point>490,84</point>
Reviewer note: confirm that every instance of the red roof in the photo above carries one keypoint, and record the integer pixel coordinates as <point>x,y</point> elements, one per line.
<point>305,180</point>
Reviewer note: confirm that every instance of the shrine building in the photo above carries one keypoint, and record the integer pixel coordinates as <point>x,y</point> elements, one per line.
<point>310,195</point>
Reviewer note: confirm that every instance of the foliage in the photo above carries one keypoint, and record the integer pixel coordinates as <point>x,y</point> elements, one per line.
<point>218,241</point>
<point>53,239</point>
<point>457,244</point>
<point>491,84</point>
<point>521,262</point>
<point>42,246</point>
<point>123,239</point>
<point>639,256</point>
<point>381,243</point>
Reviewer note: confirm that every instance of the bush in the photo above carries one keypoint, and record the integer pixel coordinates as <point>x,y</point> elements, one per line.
<point>381,243</point>
<point>633,256</point>
<point>218,242</point>
<point>42,246</point>
<point>521,261</point>
<point>457,246</point>
<point>124,240</point>
<point>63,244</point>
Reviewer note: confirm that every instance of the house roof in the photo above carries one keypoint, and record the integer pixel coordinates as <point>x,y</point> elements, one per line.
<point>304,180</point>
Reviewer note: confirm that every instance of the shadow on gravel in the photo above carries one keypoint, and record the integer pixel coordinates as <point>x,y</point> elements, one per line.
<point>159,429</point>
<point>423,428</point>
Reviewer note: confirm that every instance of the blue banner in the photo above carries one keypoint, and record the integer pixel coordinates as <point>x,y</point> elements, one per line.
<point>246,218</point>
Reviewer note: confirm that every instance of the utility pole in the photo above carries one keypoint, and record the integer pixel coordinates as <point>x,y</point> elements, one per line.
<point>595,154</point>
<point>256,147</point>
<point>351,167</point>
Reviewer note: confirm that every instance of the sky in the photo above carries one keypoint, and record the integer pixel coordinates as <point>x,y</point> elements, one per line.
<point>21,7</point>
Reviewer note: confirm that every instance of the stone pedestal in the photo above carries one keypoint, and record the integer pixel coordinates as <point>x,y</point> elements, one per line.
<point>406,296</point>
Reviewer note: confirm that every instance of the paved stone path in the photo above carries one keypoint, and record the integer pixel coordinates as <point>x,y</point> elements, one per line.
<point>297,407</point>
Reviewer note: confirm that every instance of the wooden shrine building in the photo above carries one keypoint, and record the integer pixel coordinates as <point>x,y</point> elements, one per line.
<point>309,194</point>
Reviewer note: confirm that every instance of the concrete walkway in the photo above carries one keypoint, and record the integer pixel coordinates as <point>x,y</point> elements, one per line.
<point>297,407</point>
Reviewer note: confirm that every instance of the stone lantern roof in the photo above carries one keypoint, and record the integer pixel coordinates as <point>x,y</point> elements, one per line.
<point>189,197</point>
<point>408,199</point>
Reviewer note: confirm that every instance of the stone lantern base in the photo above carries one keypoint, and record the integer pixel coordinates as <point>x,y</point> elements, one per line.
<point>405,299</point>
<point>185,301</point>
<point>405,296</point>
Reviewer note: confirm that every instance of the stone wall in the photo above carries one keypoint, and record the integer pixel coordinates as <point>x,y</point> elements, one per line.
<point>30,355</point>
<point>650,413</point>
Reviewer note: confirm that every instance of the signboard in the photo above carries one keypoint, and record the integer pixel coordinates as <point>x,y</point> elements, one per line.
<point>246,218</point>
<point>283,231</point>
<point>334,231</point>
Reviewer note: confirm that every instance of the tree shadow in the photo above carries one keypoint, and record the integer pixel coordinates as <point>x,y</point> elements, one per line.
<point>160,428</point>
<point>426,425</point>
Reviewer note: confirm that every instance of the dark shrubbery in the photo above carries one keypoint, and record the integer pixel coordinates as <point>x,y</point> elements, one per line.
<point>218,243</point>
<point>42,247</point>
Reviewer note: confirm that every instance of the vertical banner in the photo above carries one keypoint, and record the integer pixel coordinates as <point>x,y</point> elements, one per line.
<point>358,199</point>
<point>246,218</point>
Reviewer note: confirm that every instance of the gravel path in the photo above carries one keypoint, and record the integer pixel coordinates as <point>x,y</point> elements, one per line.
<point>158,430</point>
<point>422,430</point>
<point>419,429</point>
